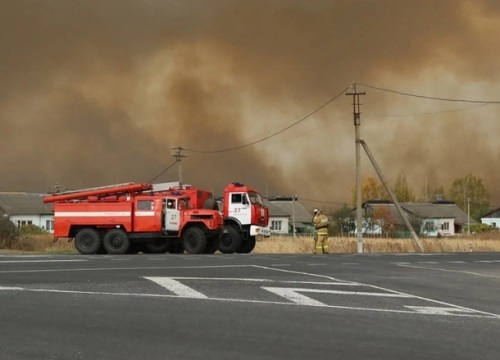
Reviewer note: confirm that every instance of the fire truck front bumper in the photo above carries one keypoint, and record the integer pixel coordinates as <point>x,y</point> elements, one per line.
<point>259,230</point>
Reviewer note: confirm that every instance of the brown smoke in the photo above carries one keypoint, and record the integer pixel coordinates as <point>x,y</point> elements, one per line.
<point>97,92</point>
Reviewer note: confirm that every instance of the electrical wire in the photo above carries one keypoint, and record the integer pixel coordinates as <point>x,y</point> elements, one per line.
<point>164,171</point>
<point>426,113</point>
<point>273,134</point>
<point>429,97</point>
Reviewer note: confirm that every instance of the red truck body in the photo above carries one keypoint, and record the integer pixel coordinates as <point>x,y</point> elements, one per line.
<point>128,218</point>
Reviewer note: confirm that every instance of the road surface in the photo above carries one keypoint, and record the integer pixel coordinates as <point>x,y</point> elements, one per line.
<point>338,306</point>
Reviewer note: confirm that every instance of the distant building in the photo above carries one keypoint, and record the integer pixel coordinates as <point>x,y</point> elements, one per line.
<point>440,218</point>
<point>492,218</point>
<point>285,213</point>
<point>27,209</point>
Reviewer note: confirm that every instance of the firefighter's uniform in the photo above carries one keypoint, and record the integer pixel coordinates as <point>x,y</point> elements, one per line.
<point>320,222</point>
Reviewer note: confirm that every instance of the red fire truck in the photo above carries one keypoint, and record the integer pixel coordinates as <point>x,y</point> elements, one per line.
<point>131,217</point>
<point>244,213</point>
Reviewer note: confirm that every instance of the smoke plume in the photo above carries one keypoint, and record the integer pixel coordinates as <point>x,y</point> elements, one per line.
<point>98,92</point>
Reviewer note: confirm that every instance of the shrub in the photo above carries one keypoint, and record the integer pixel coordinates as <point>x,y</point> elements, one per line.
<point>8,232</point>
<point>31,230</point>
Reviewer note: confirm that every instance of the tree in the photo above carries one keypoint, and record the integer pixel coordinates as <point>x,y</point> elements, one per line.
<point>469,190</point>
<point>382,217</point>
<point>371,189</point>
<point>402,190</point>
<point>343,221</point>
<point>437,193</point>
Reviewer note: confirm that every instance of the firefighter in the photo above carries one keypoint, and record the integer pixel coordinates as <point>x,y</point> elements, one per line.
<point>320,222</point>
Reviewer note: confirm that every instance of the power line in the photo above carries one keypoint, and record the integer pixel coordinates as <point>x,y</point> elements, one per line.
<point>164,171</point>
<point>430,97</point>
<point>273,134</point>
<point>427,113</point>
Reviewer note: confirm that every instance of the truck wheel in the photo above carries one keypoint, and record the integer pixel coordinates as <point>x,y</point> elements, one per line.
<point>247,246</point>
<point>88,241</point>
<point>177,248</point>
<point>194,240</point>
<point>230,240</point>
<point>116,242</point>
<point>212,245</point>
<point>158,246</point>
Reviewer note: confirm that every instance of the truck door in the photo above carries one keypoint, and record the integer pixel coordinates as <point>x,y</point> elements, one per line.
<point>172,215</point>
<point>146,215</point>
<point>239,208</point>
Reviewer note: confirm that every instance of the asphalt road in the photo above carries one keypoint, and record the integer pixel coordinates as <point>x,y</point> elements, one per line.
<point>444,306</point>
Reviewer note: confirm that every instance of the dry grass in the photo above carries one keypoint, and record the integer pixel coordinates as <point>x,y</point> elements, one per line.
<point>290,245</point>
<point>40,244</point>
<point>300,245</point>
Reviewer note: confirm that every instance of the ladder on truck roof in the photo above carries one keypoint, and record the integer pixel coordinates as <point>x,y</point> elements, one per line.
<point>116,189</point>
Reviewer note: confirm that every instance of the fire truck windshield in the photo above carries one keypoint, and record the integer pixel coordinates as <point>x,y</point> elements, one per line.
<point>255,198</point>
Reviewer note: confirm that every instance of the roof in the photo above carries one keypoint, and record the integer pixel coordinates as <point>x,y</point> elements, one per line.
<point>438,210</point>
<point>275,210</point>
<point>492,214</point>
<point>287,207</point>
<point>20,203</point>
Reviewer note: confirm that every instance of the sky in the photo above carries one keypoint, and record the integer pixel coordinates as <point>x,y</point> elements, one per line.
<point>94,93</point>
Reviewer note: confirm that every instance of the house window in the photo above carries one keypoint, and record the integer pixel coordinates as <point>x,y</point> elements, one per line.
<point>276,225</point>
<point>429,226</point>
<point>49,225</point>
<point>445,226</point>
<point>21,223</point>
<point>494,224</point>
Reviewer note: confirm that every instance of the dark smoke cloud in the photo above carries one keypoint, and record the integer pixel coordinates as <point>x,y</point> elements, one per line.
<point>97,92</point>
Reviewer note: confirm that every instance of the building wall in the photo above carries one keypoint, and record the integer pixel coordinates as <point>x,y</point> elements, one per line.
<point>42,221</point>
<point>279,225</point>
<point>491,221</point>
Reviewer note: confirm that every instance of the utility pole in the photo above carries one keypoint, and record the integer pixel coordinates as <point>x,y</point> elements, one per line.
<point>178,155</point>
<point>294,197</point>
<point>468,215</point>
<point>393,197</point>
<point>357,124</point>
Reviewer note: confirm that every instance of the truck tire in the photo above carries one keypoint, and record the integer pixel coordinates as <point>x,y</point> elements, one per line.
<point>88,241</point>
<point>194,240</point>
<point>247,246</point>
<point>230,240</point>
<point>158,246</point>
<point>116,242</point>
<point>212,245</point>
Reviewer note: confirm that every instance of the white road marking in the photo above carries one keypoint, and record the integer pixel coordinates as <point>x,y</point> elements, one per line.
<point>177,288</point>
<point>344,283</point>
<point>448,270</point>
<point>39,261</point>
<point>473,313</point>
<point>433,310</point>
<point>483,313</point>
<point>293,294</point>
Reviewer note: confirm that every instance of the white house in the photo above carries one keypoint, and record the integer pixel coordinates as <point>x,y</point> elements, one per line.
<point>440,218</point>
<point>285,213</point>
<point>27,209</point>
<point>492,218</point>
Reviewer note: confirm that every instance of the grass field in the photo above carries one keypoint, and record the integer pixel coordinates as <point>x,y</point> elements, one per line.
<point>291,245</point>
